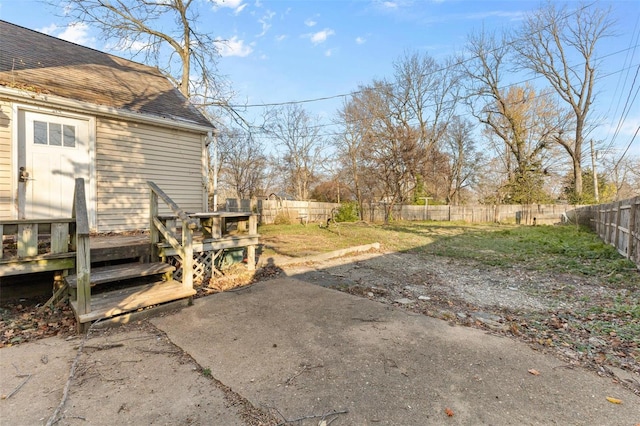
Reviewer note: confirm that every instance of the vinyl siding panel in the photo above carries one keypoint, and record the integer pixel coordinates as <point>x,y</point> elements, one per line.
<point>6,172</point>
<point>130,154</point>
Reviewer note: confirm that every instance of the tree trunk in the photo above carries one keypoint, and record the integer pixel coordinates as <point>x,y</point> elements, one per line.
<point>577,175</point>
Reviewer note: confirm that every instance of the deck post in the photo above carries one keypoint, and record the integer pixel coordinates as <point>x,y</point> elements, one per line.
<point>154,234</point>
<point>251,249</point>
<point>83,251</point>
<point>187,255</point>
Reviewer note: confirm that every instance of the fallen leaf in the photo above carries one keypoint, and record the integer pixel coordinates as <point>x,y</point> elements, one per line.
<point>614,400</point>
<point>534,372</point>
<point>448,412</point>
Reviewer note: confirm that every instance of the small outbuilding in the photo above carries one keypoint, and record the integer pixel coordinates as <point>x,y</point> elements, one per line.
<point>95,148</point>
<point>68,111</point>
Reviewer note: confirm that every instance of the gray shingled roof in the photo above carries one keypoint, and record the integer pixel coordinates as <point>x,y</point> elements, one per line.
<point>41,63</point>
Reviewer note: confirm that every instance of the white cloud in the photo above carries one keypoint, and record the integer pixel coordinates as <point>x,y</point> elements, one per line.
<point>265,21</point>
<point>329,52</point>
<point>48,30</point>
<point>320,36</point>
<point>514,16</point>
<point>390,5</point>
<point>361,40</point>
<point>239,9</point>
<point>231,4</point>
<point>235,47</point>
<point>281,37</point>
<point>310,22</point>
<point>77,32</point>
<point>128,45</point>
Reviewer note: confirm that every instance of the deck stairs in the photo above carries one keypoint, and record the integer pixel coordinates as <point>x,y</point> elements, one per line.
<point>128,287</point>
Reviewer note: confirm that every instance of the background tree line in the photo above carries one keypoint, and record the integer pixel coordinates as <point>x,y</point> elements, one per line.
<point>459,130</point>
<point>469,128</point>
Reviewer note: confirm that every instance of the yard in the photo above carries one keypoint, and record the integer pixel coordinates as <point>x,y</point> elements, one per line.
<point>560,289</point>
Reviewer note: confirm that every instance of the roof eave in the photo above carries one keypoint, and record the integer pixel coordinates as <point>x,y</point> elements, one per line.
<point>72,105</point>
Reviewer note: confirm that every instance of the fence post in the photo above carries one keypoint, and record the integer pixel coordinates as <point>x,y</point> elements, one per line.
<point>631,242</point>
<point>617,230</point>
<point>607,233</point>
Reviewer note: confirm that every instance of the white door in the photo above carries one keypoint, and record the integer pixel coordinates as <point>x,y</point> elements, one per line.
<point>56,152</point>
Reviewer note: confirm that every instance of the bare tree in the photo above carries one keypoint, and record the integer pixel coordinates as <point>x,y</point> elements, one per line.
<point>560,45</point>
<point>464,160</point>
<point>186,55</point>
<point>392,131</point>
<point>350,147</point>
<point>243,166</point>
<point>521,120</point>
<point>425,92</point>
<point>300,147</point>
<point>391,155</point>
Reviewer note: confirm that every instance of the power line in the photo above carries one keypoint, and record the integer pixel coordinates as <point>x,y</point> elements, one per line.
<point>446,68</point>
<point>627,149</point>
<point>623,116</point>
<point>260,130</point>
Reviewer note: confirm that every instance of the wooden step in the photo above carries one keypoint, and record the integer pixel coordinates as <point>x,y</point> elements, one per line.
<point>113,303</point>
<point>107,274</point>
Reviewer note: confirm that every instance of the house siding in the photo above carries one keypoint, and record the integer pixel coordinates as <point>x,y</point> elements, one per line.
<point>5,161</point>
<point>130,154</point>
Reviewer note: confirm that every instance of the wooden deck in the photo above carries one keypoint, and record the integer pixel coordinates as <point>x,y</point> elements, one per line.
<point>185,243</point>
<point>103,248</point>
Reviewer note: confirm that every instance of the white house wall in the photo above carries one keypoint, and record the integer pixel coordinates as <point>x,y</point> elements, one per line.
<point>6,173</point>
<point>130,154</point>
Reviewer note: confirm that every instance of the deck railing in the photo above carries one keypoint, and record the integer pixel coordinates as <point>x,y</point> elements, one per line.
<point>36,245</point>
<point>205,237</point>
<point>25,239</point>
<point>183,248</point>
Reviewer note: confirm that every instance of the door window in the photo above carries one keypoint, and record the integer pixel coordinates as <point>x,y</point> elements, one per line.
<point>54,134</point>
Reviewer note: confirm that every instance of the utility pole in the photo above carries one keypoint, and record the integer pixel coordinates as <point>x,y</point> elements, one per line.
<point>595,173</point>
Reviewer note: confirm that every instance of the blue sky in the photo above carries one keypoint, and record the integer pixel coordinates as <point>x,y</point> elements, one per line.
<point>281,50</point>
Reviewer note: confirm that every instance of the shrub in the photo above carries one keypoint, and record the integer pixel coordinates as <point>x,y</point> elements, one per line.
<point>282,219</point>
<point>348,212</point>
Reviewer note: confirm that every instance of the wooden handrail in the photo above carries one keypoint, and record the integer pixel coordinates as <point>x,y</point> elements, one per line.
<point>182,215</point>
<point>185,247</point>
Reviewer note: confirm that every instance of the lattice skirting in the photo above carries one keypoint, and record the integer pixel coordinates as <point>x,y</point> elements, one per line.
<point>204,266</point>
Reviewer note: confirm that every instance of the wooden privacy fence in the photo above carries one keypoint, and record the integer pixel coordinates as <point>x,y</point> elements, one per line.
<point>509,213</point>
<point>317,212</point>
<point>297,211</point>
<point>617,224</point>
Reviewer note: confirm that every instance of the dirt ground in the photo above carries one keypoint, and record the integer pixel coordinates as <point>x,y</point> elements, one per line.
<point>136,375</point>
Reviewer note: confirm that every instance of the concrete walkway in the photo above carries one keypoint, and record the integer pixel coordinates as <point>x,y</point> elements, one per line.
<point>301,350</point>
